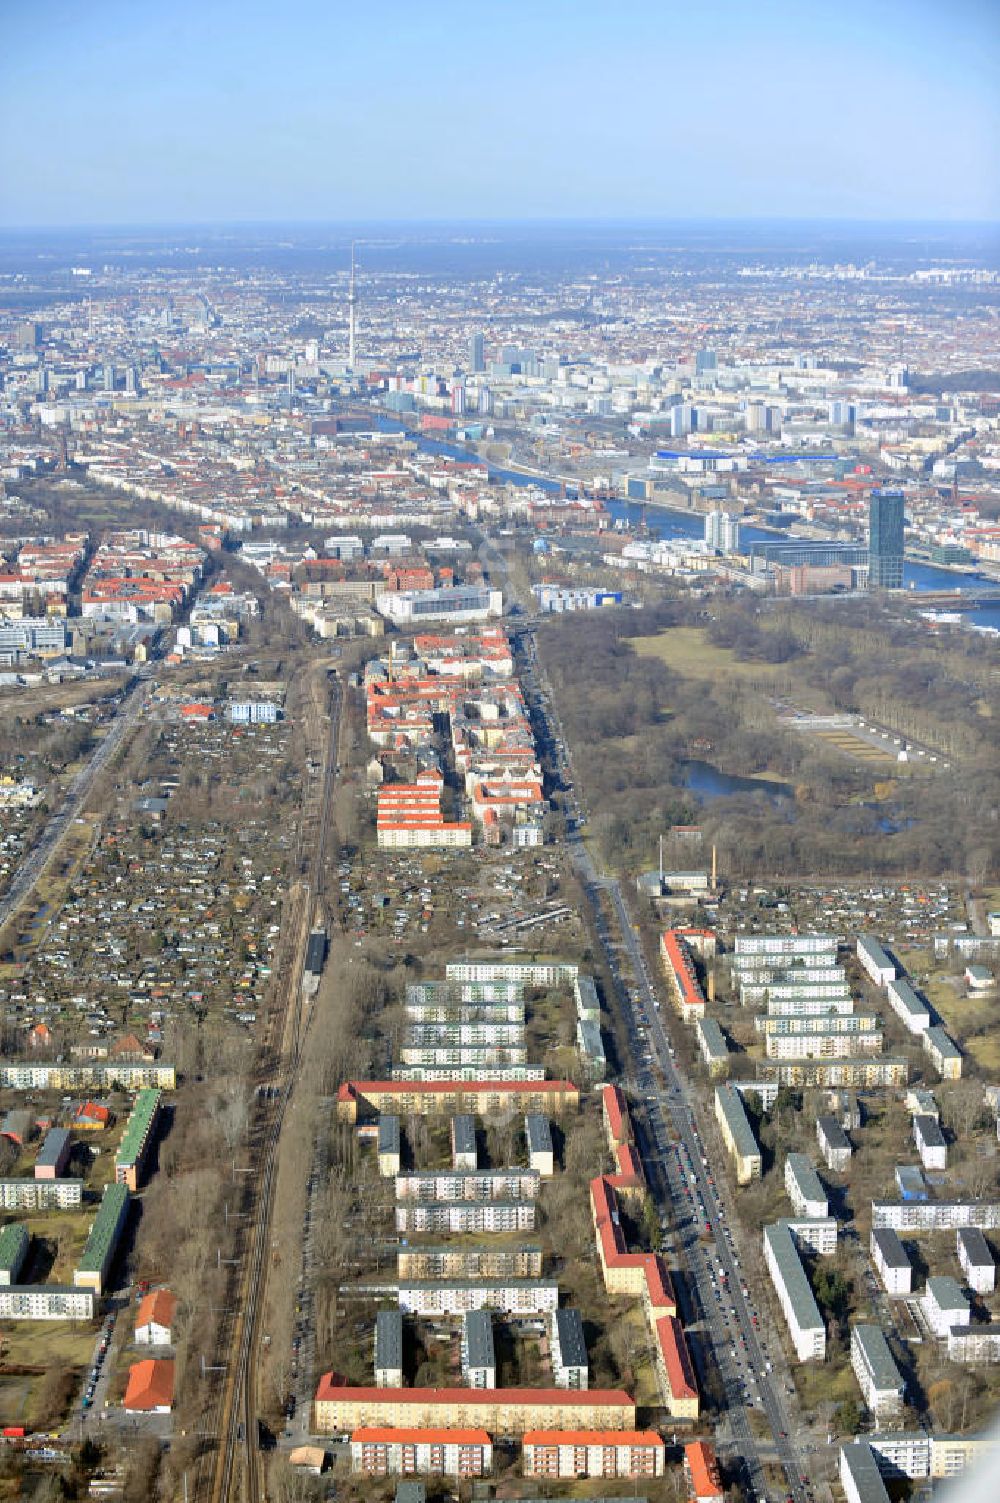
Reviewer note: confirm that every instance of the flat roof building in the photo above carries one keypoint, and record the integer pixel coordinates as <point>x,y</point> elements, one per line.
<point>803,1186</point>
<point>875,961</point>
<point>388,1144</point>
<point>737,1133</point>
<point>879,1378</point>
<point>889,1257</point>
<point>834,1144</point>
<point>798,1303</point>
<point>859,1474</point>
<point>389,1349</point>
<point>976,1259</point>
<point>14,1244</point>
<point>570,1367</point>
<point>538,1135</point>
<point>54,1154</point>
<point>464,1152</point>
<point>479,1362</point>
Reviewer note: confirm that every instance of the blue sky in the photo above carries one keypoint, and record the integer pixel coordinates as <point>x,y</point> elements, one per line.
<point>159,111</point>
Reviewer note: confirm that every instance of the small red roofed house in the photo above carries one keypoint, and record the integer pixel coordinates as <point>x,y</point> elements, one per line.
<point>91,1116</point>
<point>150,1387</point>
<point>130,1050</point>
<point>154,1319</point>
<point>40,1036</point>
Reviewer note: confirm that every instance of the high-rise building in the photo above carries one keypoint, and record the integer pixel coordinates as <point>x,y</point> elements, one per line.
<point>458,398</point>
<point>885,540</point>
<point>477,354</point>
<point>705,362</point>
<point>722,532</point>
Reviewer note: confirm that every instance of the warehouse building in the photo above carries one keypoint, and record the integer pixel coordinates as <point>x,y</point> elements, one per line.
<point>889,1257</point>
<point>737,1134</point>
<point>798,1304</point>
<point>879,1378</point>
<point>568,1347</point>
<point>803,1187</point>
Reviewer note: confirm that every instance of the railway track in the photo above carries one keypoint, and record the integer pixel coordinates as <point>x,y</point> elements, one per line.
<point>239,1455</point>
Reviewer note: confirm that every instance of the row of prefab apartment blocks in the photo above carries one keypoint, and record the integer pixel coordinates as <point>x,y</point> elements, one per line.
<point>51,1189</point>
<point>807,999</point>
<point>567,1429</point>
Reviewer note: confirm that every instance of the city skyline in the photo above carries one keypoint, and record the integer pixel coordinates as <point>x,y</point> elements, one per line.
<point>225,113</point>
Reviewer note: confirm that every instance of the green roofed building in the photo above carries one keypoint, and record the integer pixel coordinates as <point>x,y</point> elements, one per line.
<point>102,1243</point>
<point>137,1138</point>
<point>14,1243</point>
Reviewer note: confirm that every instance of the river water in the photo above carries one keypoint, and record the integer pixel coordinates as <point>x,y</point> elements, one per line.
<point>683,524</point>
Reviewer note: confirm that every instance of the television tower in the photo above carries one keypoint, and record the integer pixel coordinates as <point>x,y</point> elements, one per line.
<point>351,314</point>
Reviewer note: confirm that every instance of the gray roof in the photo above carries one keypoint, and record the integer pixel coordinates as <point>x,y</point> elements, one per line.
<point>572,1346</point>
<point>878,1358</point>
<point>793,1275</point>
<point>947,1292</point>
<point>833,1134</point>
<point>805,1176</point>
<point>739,1123</point>
<point>907,998</point>
<point>891,1249</point>
<point>874,951</point>
<point>943,1043</point>
<point>478,1337</point>
<point>52,1148</point>
<point>860,1461</point>
<point>714,1038</point>
<point>389,1338</point>
<point>977,1249</point>
<point>463,1133</point>
<point>929,1130</point>
<point>538,1133</point>
<point>388,1134</point>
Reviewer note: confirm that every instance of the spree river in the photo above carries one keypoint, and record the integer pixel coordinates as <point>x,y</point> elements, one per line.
<point>685,524</point>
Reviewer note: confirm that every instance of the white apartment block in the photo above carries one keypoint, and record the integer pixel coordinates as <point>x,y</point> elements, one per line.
<point>974,1344</point>
<point>467,1216</point>
<point>944,1305</point>
<point>875,962</point>
<point>834,1144</point>
<point>936,1215</point>
<point>782,1007</point>
<point>879,1378</point>
<point>815,1234</point>
<point>914,1014</point>
<point>944,1054</point>
<point>798,1304</point>
<point>889,1257</point>
<point>976,1259</point>
<point>512,1296</point>
<point>46,1302</point>
<point>931,1146</point>
<point>803,1187</point>
<point>40,1194</point>
<point>570,1368</point>
<point>467,1184</point>
<point>859,1474</point>
<point>850,1045</point>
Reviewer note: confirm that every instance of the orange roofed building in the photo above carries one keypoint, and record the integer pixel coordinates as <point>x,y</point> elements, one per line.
<point>383,1451</point>
<point>150,1387</point>
<point>593,1453</point>
<point>702,1472</point>
<point>155,1318</point>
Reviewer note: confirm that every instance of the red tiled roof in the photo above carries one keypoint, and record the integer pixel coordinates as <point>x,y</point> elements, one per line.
<point>150,1384</point>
